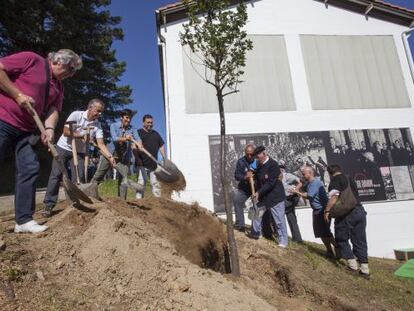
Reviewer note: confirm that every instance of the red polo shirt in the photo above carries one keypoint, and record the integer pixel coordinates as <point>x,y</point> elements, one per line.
<point>27,72</point>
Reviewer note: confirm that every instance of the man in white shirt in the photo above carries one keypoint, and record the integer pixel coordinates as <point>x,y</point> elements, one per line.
<point>81,121</point>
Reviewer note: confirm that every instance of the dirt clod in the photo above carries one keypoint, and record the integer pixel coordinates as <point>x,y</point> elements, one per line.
<point>287,282</point>
<point>8,290</point>
<point>2,245</point>
<point>40,276</point>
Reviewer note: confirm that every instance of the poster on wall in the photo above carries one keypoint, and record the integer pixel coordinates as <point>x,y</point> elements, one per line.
<point>380,161</point>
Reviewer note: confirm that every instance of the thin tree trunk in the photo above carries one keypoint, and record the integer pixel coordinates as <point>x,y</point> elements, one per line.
<point>234,255</point>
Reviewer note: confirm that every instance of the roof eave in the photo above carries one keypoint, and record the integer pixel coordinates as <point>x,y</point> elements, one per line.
<point>377,10</point>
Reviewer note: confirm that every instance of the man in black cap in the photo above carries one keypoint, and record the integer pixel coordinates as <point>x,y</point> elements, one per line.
<point>121,133</point>
<point>270,193</point>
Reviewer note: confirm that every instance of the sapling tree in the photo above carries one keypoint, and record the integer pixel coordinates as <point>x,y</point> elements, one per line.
<point>217,39</point>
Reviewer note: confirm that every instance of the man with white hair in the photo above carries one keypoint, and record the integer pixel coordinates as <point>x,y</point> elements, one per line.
<point>81,120</point>
<point>28,78</point>
<point>318,199</point>
<point>290,182</point>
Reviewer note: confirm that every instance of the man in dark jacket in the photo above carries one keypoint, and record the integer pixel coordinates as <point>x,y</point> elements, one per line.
<point>351,227</point>
<point>271,194</point>
<point>243,173</point>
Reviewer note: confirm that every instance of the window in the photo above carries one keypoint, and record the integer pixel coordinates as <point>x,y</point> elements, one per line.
<point>267,86</point>
<point>353,72</point>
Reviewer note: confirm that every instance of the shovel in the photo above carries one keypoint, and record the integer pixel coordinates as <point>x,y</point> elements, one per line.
<point>74,151</point>
<point>73,191</point>
<point>92,188</point>
<point>166,171</point>
<point>87,141</point>
<point>254,211</point>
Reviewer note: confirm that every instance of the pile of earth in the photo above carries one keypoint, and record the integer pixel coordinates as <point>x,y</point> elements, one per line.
<point>158,254</point>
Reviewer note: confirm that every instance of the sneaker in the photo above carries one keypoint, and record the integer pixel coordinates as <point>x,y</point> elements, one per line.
<point>352,265</point>
<point>364,271</point>
<point>47,211</point>
<point>30,226</point>
<point>282,245</point>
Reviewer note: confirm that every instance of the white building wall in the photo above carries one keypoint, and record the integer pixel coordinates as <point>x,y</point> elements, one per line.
<point>390,224</point>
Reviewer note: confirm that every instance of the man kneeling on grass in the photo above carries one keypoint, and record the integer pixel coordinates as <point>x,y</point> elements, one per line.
<point>318,198</point>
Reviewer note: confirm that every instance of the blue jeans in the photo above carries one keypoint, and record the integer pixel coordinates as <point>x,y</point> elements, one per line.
<point>239,199</point>
<point>278,214</point>
<point>353,227</point>
<point>27,169</point>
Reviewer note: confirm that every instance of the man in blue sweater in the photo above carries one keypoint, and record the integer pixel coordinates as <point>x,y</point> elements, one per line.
<point>271,194</point>
<point>244,172</point>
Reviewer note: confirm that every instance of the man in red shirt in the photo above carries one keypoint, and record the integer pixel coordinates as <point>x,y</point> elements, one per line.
<point>27,78</point>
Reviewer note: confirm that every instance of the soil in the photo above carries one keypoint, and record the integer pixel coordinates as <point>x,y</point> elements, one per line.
<point>168,189</point>
<point>158,254</point>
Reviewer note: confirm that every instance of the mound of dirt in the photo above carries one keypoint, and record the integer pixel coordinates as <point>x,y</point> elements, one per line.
<point>195,233</point>
<point>158,254</point>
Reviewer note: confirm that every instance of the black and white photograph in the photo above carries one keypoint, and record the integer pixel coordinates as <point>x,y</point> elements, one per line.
<point>379,160</point>
<point>291,149</point>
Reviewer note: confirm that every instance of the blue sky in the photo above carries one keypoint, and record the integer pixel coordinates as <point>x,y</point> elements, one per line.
<point>139,50</point>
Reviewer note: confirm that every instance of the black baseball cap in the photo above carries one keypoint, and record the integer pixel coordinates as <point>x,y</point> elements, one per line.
<point>259,150</point>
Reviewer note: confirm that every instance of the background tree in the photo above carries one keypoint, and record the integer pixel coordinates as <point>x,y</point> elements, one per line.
<point>216,37</point>
<point>86,27</point>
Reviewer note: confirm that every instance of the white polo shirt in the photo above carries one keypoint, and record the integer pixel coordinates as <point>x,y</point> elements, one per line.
<point>81,119</point>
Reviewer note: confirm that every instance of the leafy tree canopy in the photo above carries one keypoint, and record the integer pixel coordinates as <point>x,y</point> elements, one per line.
<point>87,28</point>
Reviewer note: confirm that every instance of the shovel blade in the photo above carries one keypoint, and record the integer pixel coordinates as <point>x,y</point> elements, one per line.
<point>91,190</point>
<point>173,172</point>
<point>74,191</point>
<point>134,185</point>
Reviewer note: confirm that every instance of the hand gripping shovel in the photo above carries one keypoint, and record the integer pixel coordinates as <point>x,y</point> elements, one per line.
<point>73,191</point>
<point>254,211</point>
<point>166,171</point>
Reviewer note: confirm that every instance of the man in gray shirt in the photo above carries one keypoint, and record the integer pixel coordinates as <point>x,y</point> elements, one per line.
<point>290,182</point>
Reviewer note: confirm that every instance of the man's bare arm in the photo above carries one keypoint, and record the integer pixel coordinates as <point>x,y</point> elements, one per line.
<point>162,151</point>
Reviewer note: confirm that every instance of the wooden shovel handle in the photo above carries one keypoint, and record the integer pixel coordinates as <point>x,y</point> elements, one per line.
<point>251,181</point>
<point>146,152</point>
<point>41,128</point>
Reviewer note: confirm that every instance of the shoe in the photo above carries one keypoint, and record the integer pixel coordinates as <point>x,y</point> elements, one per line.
<point>240,229</point>
<point>252,236</point>
<point>330,255</point>
<point>352,265</point>
<point>337,253</point>
<point>47,211</point>
<point>364,271</point>
<point>31,227</point>
<point>282,245</point>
